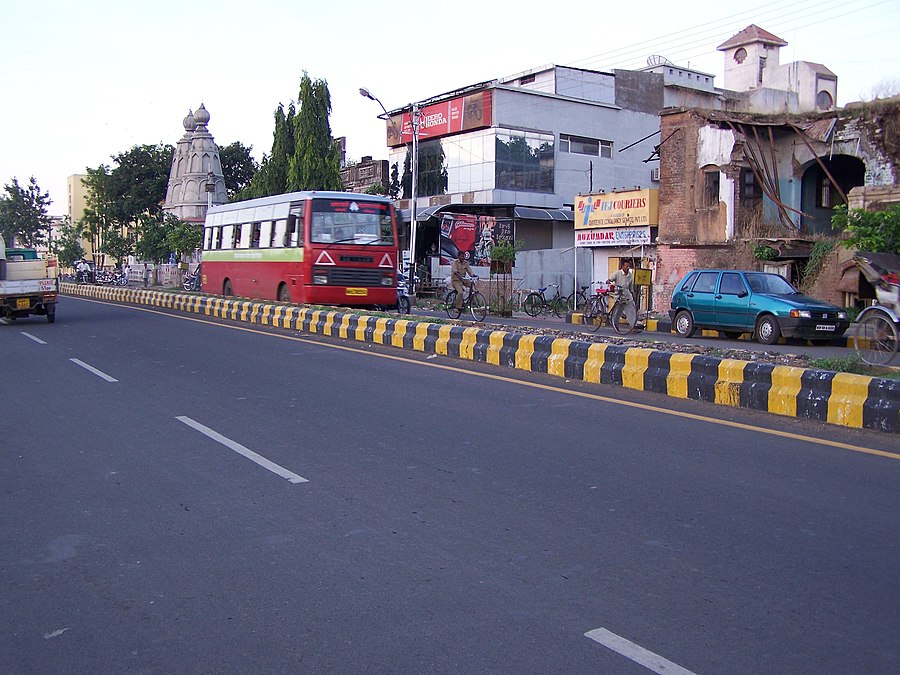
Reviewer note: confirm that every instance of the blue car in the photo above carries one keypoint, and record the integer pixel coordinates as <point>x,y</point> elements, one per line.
<point>767,305</point>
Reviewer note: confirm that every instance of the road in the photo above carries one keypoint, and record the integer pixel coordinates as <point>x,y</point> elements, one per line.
<point>185,496</point>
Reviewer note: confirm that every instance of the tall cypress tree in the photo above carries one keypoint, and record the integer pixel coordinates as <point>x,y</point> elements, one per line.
<point>315,164</point>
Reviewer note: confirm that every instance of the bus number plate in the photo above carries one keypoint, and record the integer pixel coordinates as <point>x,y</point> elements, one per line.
<point>358,291</point>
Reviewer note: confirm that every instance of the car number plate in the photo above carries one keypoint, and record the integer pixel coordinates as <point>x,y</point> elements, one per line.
<point>23,303</point>
<point>358,291</point>
<point>824,327</point>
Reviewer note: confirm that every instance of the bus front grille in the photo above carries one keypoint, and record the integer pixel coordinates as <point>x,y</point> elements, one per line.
<point>354,276</point>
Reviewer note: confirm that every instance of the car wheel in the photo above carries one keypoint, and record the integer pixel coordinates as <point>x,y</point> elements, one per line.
<point>684,323</point>
<point>767,330</point>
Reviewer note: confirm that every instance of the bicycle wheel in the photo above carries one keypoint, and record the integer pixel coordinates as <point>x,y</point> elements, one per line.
<point>403,305</point>
<point>876,339</point>
<point>478,306</point>
<point>559,306</point>
<point>623,317</point>
<point>594,315</point>
<point>577,302</point>
<point>450,305</point>
<point>534,304</point>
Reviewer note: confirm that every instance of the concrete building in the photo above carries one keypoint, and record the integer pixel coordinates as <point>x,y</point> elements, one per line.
<point>510,157</point>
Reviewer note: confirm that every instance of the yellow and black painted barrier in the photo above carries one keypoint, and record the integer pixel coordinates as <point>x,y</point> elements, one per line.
<point>838,398</point>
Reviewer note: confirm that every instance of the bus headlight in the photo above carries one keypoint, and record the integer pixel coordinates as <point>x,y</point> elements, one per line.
<point>320,278</point>
<point>387,281</point>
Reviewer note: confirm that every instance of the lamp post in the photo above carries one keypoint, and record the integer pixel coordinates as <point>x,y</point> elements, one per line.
<point>414,167</point>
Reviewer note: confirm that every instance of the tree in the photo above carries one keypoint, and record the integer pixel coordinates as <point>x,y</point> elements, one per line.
<point>183,237</point>
<point>238,167</point>
<point>272,177</point>
<point>137,185</point>
<point>67,246</point>
<point>97,218</point>
<point>394,187</point>
<point>23,213</point>
<point>315,164</point>
<point>119,245</point>
<point>874,231</point>
<point>151,243</point>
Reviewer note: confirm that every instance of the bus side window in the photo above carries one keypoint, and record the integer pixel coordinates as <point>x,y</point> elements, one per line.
<point>267,236</point>
<point>255,232</point>
<point>236,236</point>
<point>217,239</point>
<point>290,235</point>
<point>279,233</point>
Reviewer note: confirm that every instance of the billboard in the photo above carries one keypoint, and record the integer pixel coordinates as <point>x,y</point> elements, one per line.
<point>463,113</point>
<point>473,234</point>
<point>635,208</point>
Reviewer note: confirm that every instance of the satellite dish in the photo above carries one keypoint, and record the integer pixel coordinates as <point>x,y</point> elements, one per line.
<point>657,60</point>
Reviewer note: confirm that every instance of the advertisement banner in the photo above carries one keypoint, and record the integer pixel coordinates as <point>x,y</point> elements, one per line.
<point>440,119</point>
<point>613,236</point>
<point>473,234</point>
<point>635,208</point>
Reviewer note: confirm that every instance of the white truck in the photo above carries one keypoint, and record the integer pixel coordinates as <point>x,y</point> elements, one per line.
<point>29,284</point>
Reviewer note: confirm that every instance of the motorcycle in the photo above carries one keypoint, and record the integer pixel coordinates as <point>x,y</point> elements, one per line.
<point>192,281</point>
<point>404,306</point>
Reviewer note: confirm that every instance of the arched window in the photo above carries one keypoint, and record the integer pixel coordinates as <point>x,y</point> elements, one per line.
<point>824,101</point>
<point>740,54</point>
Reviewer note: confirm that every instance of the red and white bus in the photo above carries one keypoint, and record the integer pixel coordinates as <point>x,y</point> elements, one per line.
<point>328,248</point>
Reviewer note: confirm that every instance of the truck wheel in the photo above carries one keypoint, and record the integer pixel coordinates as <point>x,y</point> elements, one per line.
<point>51,313</point>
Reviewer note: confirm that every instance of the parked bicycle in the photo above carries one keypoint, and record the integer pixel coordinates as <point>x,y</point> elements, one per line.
<point>536,302</point>
<point>473,302</point>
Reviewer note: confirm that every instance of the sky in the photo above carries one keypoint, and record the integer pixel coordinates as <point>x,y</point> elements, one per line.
<point>84,81</point>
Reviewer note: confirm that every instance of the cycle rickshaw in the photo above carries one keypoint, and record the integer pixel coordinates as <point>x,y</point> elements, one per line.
<point>878,326</point>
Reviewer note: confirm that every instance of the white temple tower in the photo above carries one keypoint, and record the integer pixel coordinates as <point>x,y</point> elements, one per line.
<point>195,180</point>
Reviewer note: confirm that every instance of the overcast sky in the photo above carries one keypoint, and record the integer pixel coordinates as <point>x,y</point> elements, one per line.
<point>82,81</point>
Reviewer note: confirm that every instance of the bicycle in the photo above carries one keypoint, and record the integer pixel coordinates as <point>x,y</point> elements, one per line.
<point>623,315</point>
<point>595,311</point>
<point>191,281</point>
<point>473,301</point>
<point>576,302</point>
<point>536,302</point>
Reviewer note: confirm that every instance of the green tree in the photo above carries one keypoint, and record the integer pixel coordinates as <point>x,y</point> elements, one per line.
<point>67,246</point>
<point>272,177</point>
<point>119,245</point>
<point>183,237</point>
<point>394,187</point>
<point>238,167</point>
<point>97,220</point>
<point>23,213</point>
<point>874,231</point>
<point>315,164</point>
<point>137,184</point>
<point>152,231</point>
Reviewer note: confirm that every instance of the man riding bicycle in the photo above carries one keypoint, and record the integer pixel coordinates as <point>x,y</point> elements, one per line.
<point>459,271</point>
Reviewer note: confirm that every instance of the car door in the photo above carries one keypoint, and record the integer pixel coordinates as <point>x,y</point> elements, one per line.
<point>733,302</point>
<point>702,298</point>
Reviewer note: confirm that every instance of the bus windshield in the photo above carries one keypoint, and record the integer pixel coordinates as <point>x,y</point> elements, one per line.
<point>351,221</point>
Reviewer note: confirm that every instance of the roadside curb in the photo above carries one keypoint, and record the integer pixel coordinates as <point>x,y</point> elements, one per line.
<point>845,399</point>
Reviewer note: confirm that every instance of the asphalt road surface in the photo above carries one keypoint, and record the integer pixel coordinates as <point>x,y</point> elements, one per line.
<point>187,496</point>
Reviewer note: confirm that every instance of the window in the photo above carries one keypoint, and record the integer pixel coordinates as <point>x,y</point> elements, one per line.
<point>824,101</point>
<point>732,284</point>
<point>528,79</point>
<point>524,161</point>
<point>579,145</point>
<point>706,282</point>
<point>740,55</point>
<point>762,67</point>
<point>711,187</point>
<point>750,189</point>
<point>254,235</point>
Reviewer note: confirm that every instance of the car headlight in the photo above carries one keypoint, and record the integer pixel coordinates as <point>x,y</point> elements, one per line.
<point>842,315</point>
<point>801,314</point>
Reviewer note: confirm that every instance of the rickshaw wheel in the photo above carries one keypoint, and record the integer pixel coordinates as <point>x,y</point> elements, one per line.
<point>876,339</point>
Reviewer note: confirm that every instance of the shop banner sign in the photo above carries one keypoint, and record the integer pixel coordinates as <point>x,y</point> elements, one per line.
<point>463,113</point>
<point>613,236</point>
<point>635,208</point>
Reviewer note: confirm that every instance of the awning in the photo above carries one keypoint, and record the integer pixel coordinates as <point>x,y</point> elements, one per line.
<point>520,212</point>
<point>533,213</point>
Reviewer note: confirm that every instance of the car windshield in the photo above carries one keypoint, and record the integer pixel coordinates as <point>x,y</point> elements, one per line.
<point>772,284</point>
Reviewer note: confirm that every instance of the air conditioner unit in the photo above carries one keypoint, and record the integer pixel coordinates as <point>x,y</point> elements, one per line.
<point>654,174</point>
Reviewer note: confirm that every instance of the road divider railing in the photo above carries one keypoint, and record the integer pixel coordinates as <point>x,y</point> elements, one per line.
<point>838,398</point>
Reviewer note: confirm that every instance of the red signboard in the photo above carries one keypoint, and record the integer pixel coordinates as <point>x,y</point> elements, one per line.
<point>441,119</point>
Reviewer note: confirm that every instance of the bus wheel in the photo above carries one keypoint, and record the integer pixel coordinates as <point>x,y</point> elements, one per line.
<point>227,290</point>
<point>284,293</point>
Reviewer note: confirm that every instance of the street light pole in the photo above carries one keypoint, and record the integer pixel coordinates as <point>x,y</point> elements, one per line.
<point>414,167</point>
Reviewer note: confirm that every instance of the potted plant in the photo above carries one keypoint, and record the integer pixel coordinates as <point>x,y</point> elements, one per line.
<point>503,257</point>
